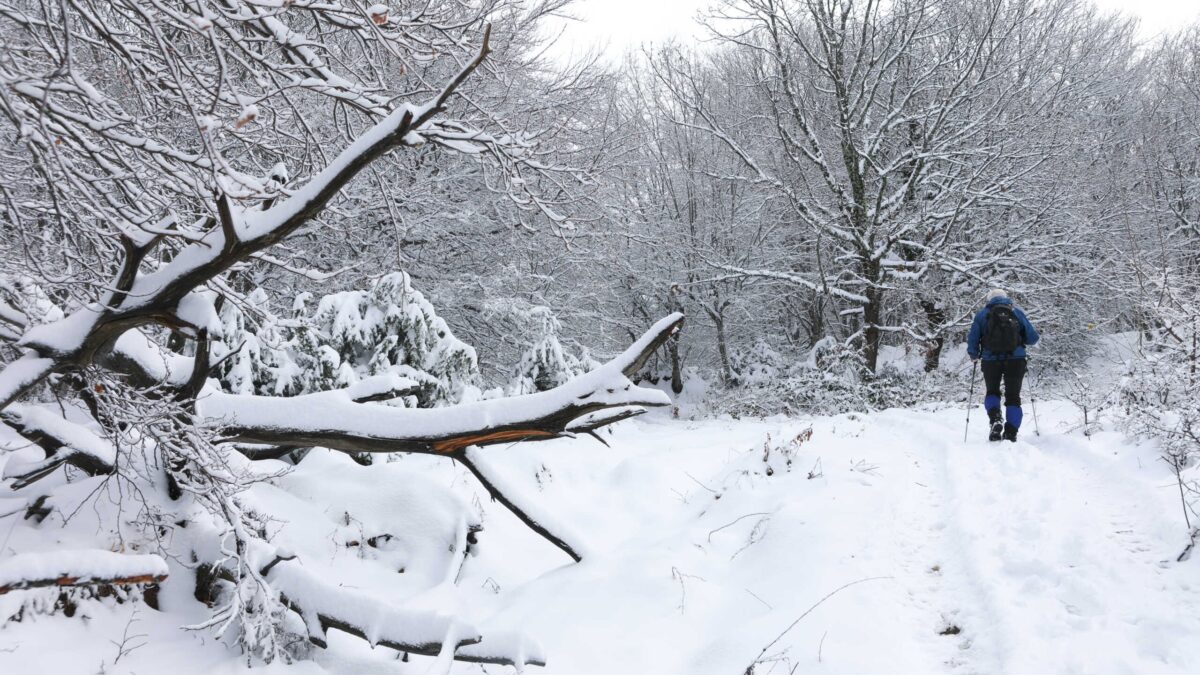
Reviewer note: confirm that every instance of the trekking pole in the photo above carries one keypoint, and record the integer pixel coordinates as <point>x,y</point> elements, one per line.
<point>971,398</point>
<point>1037,430</point>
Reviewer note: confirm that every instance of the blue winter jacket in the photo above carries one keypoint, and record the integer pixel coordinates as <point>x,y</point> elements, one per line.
<point>1029,336</point>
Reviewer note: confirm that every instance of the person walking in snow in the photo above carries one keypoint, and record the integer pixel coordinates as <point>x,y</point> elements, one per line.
<point>999,335</point>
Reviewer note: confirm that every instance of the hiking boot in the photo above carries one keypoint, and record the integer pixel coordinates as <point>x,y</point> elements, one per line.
<point>997,431</point>
<point>1010,433</point>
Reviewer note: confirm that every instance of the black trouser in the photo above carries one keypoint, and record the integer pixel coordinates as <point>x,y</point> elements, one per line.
<point>1012,372</point>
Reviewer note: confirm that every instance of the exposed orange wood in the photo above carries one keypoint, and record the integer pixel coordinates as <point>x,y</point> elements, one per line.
<point>453,444</point>
<point>66,580</point>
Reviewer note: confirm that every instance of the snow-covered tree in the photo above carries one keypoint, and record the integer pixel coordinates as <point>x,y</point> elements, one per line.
<point>547,364</point>
<point>165,154</point>
<point>906,145</point>
<point>389,329</point>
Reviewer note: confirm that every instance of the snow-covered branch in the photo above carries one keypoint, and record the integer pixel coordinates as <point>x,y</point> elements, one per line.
<point>323,607</point>
<point>334,420</point>
<point>789,278</point>
<point>63,441</point>
<point>79,568</point>
<point>89,333</point>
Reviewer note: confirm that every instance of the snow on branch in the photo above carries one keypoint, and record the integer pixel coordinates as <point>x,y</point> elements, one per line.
<point>334,420</point>
<point>323,606</point>
<point>79,568</point>
<point>89,333</point>
<point>786,277</point>
<point>344,420</point>
<point>382,388</point>
<point>21,374</point>
<point>63,441</point>
<point>431,633</point>
<point>147,363</point>
<point>502,648</point>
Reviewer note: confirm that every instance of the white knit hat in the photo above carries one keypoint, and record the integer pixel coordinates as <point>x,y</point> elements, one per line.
<point>996,293</point>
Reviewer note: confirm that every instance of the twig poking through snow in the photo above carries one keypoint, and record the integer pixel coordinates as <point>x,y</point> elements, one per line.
<point>755,596</point>
<point>863,467</point>
<point>735,522</point>
<point>697,482</point>
<point>680,577</point>
<point>127,645</point>
<point>816,471</point>
<point>772,643</point>
<point>756,534</point>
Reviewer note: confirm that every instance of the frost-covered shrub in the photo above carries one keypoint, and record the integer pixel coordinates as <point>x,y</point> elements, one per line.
<point>756,364</point>
<point>830,379</point>
<point>1158,401</point>
<point>1158,398</point>
<point>392,328</point>
<point>244,365</point>
<point>388,328</point>
<point>546,363</point>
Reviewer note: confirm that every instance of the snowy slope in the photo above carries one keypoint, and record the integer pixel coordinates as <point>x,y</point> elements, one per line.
<point>1053,555</point>
<point>1048,555</point>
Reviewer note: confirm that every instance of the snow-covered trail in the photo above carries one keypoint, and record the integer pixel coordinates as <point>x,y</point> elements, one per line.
<point>1051,555</point>
<point>1077,541</point>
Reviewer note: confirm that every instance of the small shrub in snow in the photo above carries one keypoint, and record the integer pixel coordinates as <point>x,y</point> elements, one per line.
<point>389,328</point>
<point>780,456</point>
<point>1158,399</point>
<point>757,364</point>
<point>546,364</point>
<point>832,379</point>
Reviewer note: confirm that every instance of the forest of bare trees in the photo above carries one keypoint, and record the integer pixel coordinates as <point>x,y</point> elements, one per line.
<point>205,206</point>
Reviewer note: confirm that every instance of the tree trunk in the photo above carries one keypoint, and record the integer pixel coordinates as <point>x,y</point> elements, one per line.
<point>936,317</point>
<point>723,348</point>
<point>871,336</point>
<point>872,315</point>
<point>676,367</point>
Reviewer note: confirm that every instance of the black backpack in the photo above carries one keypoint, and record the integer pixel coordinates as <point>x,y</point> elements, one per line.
<point>1002,330</point>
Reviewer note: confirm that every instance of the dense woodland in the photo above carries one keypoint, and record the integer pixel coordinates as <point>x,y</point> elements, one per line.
<point>411,224</point>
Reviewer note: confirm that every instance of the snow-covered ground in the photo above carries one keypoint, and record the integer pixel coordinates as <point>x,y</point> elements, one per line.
<point>903,549</point>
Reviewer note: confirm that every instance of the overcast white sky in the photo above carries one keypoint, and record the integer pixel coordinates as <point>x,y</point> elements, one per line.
<point>621,24</point>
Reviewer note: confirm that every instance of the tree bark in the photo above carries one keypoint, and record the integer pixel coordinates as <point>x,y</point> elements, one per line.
<point>463,457</point>
<point>333,420</point>
<point>935,317</point>
<point>872,315</point>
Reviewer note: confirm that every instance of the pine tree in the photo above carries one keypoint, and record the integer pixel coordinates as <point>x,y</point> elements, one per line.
<point>546,364</point>
<point>389,328</point>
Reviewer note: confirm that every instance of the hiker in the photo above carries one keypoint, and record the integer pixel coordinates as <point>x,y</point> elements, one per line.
<point>999,334</point>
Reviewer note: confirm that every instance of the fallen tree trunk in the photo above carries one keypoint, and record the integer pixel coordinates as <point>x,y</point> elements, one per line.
<point>323,606</point>
<point>79,568</point>
<point>341,421</point>
<point>335,420</point>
